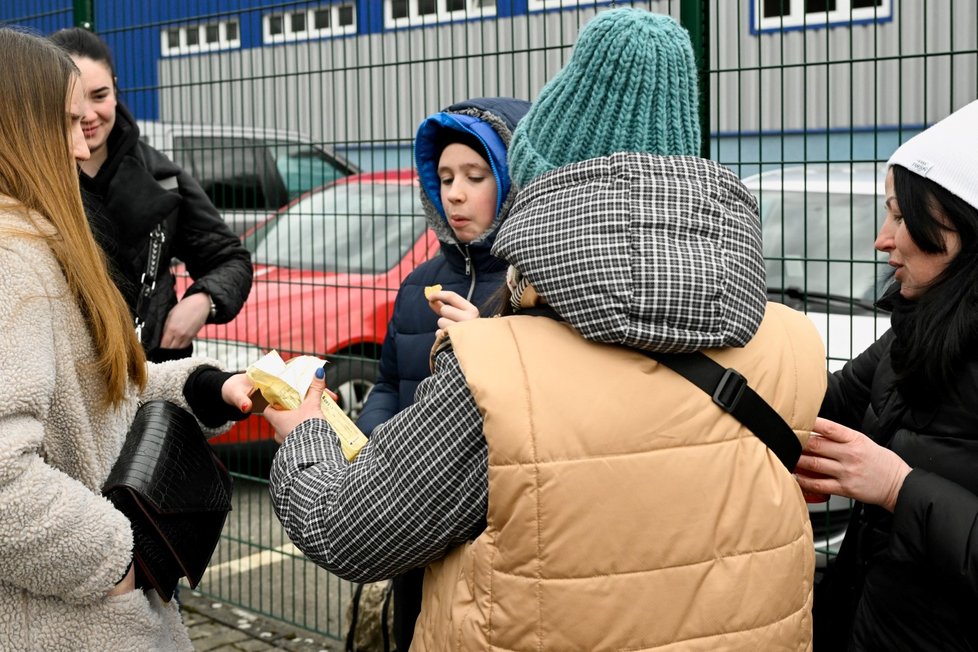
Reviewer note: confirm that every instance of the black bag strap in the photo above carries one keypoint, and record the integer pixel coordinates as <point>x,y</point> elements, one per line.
<point>148,280</point>
<point>355,616</point>
<point>729,390</point>
<point>384,624</point>
<point>352,633</point>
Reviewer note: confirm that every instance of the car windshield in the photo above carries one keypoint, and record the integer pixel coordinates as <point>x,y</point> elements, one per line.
<point>357,228</point>
<point>822,244</point>
<point>303,168</point>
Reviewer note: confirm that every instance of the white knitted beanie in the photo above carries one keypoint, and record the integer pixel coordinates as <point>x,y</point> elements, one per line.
<point>946,153</point>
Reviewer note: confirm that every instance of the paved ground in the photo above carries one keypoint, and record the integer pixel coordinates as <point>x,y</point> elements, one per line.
<point>218,627</point>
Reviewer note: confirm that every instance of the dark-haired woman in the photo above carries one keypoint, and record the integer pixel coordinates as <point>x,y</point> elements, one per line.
<point>907,575</point>
<point>137,202</point>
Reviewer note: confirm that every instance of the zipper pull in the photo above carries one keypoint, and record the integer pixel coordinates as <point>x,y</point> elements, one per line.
<point>468,259</point>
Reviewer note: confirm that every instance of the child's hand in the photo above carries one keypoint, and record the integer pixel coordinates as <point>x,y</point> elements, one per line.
<point>451,307</point>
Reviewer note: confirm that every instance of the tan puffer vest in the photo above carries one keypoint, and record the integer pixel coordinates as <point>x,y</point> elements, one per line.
<point>626,510</point>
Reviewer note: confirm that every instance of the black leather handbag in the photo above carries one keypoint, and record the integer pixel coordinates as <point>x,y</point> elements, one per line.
<point>175,492</point>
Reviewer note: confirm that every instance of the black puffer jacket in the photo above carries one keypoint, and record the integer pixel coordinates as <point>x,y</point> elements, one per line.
<point>138,188</point>
<point>921,562</point>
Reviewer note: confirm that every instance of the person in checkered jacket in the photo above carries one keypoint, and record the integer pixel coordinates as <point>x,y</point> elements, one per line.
<point>562,490</point>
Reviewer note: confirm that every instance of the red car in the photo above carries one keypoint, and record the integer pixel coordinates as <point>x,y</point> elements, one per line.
<point>327,270</point>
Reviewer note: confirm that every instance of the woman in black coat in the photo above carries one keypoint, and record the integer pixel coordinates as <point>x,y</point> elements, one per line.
<point>144,210</point>
<point>907,574</point>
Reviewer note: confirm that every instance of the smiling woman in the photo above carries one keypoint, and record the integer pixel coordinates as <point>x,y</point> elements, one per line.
<point>137,202</point>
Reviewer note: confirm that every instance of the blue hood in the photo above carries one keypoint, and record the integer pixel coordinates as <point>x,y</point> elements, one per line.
<point>491,121</point>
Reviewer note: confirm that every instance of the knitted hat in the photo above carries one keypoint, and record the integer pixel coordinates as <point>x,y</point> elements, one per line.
<point>446,137</point>
<point>946,153</point>
<point>630,86</point>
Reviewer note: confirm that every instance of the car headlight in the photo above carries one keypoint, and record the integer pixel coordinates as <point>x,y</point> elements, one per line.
<point>235,356</point>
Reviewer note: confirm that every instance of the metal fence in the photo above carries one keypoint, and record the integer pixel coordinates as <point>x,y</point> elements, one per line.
<point>263,102</point>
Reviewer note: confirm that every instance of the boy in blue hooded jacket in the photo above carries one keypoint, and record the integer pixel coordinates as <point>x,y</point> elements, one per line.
<point>460,155</point>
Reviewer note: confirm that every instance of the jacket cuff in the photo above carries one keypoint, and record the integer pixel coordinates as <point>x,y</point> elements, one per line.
<point>203,393</point>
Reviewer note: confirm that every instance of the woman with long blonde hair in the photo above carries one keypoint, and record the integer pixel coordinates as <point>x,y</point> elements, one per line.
<point>73,374</point>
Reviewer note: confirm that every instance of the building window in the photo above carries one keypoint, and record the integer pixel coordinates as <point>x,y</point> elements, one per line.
<point>777,15</point>
<point>203,37</point>
<point>539,5</point>
<point>318,22</point>
<point>405,13</point>
<point>275,25</point>
<point>321,18</point>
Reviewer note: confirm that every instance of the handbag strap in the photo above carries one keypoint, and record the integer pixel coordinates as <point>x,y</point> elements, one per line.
<point>730,391</point>
<point>148,280</point>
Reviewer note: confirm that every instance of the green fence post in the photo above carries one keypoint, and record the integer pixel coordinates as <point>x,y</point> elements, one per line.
<point>84,14</point>
<point>694,16</point>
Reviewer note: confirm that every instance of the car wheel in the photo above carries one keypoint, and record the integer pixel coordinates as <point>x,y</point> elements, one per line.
<point>352,380</point>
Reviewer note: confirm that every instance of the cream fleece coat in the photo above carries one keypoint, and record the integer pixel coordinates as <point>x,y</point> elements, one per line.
<point>62,545</point>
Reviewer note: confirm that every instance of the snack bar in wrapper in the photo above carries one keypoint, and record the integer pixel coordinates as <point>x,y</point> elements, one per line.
<point>284,384</point>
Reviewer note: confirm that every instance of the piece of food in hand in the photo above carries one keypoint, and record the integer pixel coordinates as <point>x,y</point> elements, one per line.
<point>431,289</point>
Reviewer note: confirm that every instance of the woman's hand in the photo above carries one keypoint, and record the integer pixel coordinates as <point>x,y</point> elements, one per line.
<point>285,421</point>
<point>451,307</point>
<point>853,465</point>
<point>127,584</point>
<point>185,320</point>
<point>236,392</point>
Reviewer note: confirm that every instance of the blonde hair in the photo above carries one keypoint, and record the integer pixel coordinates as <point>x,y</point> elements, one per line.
<point>38,171</point>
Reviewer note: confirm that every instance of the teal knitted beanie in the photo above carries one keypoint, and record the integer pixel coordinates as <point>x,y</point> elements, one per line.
<point>630,86</point>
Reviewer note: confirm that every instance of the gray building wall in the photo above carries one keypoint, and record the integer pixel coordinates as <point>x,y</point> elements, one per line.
<point>371,91</point>
<point>851,91</point>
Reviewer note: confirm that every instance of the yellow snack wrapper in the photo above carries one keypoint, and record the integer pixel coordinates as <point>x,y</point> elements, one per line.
<point>284,384</point>
<point>351,439</point>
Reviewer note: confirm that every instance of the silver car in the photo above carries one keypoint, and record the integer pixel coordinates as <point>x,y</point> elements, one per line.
<point>819,223</point>
<point>247,172</point>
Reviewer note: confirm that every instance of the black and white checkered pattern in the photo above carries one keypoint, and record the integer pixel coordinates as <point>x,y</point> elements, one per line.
<point>419,488</point>
<point>653,252</point>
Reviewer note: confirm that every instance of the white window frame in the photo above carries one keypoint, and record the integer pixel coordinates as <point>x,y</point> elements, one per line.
<point>289,35</point>
<point>542,5</point>
<point>222,43</point>
<point>798,19</point>
<point>441,15</point>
